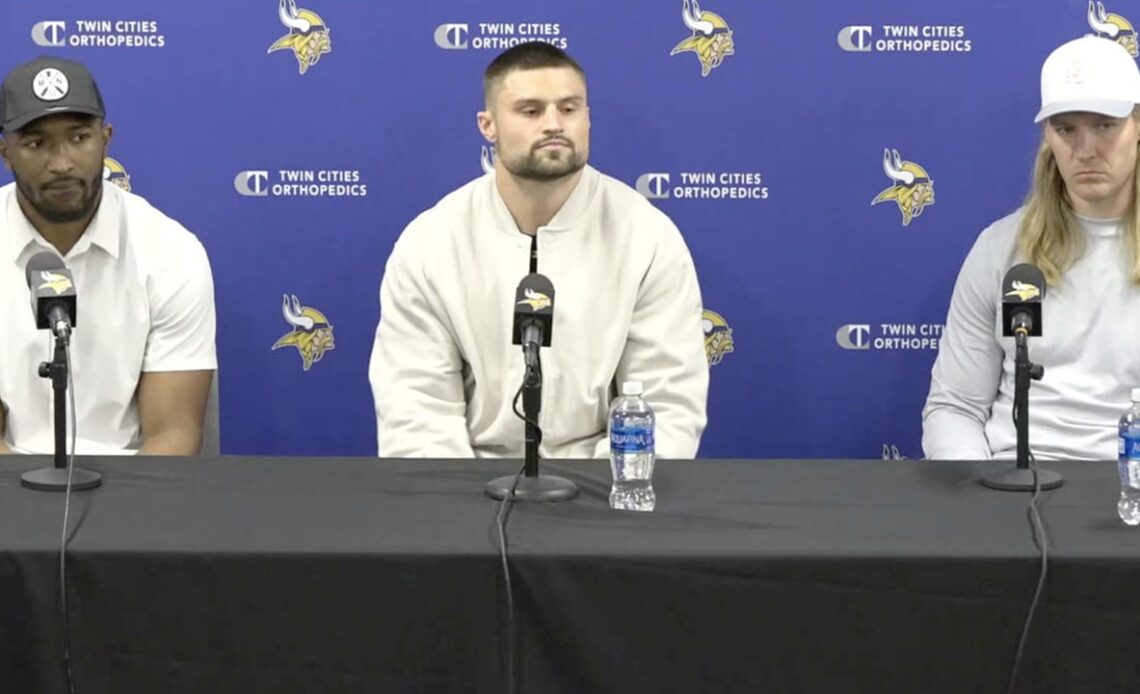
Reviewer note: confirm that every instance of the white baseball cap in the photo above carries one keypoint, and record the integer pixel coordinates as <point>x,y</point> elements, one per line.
<point>1091,74</point>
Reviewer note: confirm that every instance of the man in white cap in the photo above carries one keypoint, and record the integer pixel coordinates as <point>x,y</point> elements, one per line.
<point>142,354</point>
<point>1080,225</point>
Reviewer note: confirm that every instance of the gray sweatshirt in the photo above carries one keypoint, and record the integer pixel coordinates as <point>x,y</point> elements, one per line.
<point>1090,348</point>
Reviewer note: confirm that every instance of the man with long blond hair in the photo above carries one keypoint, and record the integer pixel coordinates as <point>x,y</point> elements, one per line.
<point>1080,225</point>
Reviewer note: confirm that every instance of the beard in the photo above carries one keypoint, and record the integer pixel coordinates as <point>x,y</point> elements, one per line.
<point>62,213</point>
<point>546,165</point>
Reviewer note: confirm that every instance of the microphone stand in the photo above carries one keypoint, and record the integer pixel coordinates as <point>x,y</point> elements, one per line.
<point>532,405</point>
<point>1020,479</point>
<point>532,486</point>
<point>54,479</point>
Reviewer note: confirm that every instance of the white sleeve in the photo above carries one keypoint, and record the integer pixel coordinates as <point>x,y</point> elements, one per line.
<point>416,370</point>
<point>665,349</point>
<point>966,375</point>
<point>183,322</point>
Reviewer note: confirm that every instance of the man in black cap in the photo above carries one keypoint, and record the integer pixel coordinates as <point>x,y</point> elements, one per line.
<point>142,352</point>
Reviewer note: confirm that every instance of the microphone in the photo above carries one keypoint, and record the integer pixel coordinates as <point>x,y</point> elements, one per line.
<point>534,316</point>
<point>1022,290</point>
<point>533,325</point>
<point>53,294</point>
<point>52,290</point>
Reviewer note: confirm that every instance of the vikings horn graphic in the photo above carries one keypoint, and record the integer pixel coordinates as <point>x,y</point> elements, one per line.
<point>912,188</point>
<point>711,39</point>
<point>308,35</point>
<point>311,335</point>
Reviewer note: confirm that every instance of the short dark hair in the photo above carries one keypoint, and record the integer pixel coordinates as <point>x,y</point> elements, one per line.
<point>533,55</point>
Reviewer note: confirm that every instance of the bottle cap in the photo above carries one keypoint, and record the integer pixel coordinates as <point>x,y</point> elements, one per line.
<point>634,388</point>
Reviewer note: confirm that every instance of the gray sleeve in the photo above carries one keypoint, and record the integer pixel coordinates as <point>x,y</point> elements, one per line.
<point>966,375</point>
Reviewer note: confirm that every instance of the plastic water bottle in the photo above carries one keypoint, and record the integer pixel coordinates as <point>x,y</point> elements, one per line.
<point>1129,462</point>
<point>631,450</point>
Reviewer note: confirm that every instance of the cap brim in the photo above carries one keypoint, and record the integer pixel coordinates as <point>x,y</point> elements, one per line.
<point>1106,107</point>
<point>24,119</point>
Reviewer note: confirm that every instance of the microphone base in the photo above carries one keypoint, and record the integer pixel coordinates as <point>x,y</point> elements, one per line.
<point>53,479</point>
<point>540,488</point>
<point>1021,480</point>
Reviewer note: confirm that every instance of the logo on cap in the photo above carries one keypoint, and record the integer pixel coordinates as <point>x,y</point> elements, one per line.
<point>1076,72</point>
<point>50,84</point>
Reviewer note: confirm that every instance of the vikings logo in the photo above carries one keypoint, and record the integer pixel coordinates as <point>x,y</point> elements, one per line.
<point>488,159</point>
<point>536,300</point>
<point>912,190</point>
<point>1114,27</point>
<point>711,39</point>
<point>892,452</point>
<point>308,35</point>
<point>55,282</point>
<point>718,336</point>
<point>312,335</point>
<point>1023,290</point>
<point>113,172</point>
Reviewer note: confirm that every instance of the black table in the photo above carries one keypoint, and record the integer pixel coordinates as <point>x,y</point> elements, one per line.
<point>361,575</point>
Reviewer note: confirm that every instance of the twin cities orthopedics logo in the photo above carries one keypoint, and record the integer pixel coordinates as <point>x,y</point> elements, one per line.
<point>912,188</point>
<point>497,36</point>
<point>718,336</point>
<point>301,183</point>
<point>98,33</point>
<point>308,37</point>
<point>1113,26</point>
<point>905,38</point>
<point>311,333</point>
<point>703,185</point>
<point>889,336</point>
<point>114,173</point>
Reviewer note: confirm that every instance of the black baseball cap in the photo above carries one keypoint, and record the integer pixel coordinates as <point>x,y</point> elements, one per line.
<point>47,86</point>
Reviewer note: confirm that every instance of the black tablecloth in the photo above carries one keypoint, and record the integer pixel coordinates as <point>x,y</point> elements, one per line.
<point>363,575</point>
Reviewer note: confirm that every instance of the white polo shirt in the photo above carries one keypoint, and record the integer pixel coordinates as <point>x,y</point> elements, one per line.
<point>145,302</point>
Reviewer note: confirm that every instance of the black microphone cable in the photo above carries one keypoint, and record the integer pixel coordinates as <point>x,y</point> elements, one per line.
<point>505,507</point>
<point>63,540</point>
<point>1042,542</point>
